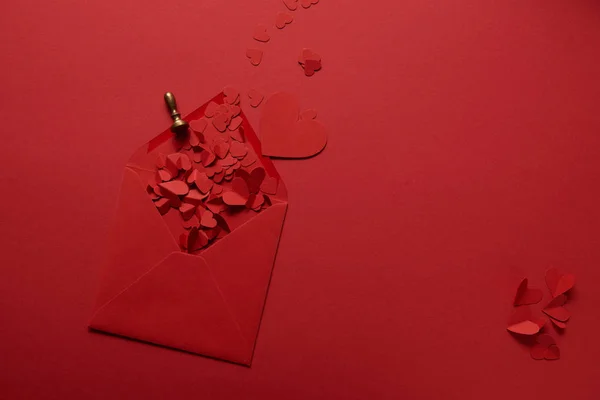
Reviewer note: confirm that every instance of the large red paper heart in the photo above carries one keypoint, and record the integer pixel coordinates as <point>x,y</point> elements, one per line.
<point>283,135</point>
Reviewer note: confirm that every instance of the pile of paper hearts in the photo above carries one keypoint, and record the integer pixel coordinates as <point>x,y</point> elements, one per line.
<point>212,177</point>
<point>523,323</point>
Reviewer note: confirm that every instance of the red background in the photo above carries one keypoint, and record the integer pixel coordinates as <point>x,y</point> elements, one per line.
<point>464,154</point>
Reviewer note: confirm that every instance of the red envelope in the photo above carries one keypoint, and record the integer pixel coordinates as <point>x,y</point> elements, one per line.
<point>209,303</point>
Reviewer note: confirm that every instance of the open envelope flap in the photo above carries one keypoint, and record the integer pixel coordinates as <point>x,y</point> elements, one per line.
<point>139,239</point>
<point>177,304</point>
<point>242,262</point>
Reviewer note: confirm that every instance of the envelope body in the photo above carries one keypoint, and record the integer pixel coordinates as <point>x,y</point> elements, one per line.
<point>209,302</point>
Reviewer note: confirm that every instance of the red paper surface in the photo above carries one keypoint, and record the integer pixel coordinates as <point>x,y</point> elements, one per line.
<point>463,155</point>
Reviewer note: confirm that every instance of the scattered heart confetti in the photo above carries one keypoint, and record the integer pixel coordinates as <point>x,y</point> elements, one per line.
<point>308,3</point>
<point>558,283</point>
<point>291,5</point>
<point>201,182</point>
<point>526,295</point>
<point>260,34</point>
<point>283,19</point>
<point>255,97</point>
<point>283,135</point>
<point>255,56</point>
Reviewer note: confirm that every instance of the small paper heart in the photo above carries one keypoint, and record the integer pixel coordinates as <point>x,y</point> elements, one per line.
<point>255,56</point>
<point>283,19</point>
<point>239,193</point>
<point>526,295</point>
<point>255,97</point>
<point>207,219</point>
<point>260,34</point>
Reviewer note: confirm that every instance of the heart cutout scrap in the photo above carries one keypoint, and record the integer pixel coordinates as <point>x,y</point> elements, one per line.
<point>545,348</point>
<point>255,56</point>
<point>283,19</point>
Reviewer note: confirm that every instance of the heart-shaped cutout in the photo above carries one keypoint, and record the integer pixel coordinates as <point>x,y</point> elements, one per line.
<point>291,4</point>
<point>207,219</point>
<point>311,66</point>
<point>203,182</point>
<point>308,54</point>
<point>174,188</point>
<point>555,309</point>
<point>237,149</point>
<point>261,34</point>
<point>210,109</point>
<point>231,95</point>
<point>545,348</point>
<point>283,19</point>
<point>283,135</point>
<point>255,97</point>
<point>559,283</point>
<point>522,322</point>
<point>269,185</point>
<point>526,295</point>
<point>239,193</point>
<point>255,56</point>
<point>199,125</point>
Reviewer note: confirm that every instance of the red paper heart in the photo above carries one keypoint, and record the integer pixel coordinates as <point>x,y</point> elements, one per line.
<point>527,295</point>
<point>260,34</point>
<point>203,182</point>
<point>283,19</point>
<point>522,322</point>
<point>238,150</point>
<point>207,158</point>
<point>199,125</point>
<point>174,188</point>
<point>555,309</point>
<point>308,54</point>
<point>255,56</point>
<point>187,210</point>
<point>220,122</point>
<point>195,197</point>
<point>255,97</point>
<point>545,348</point>
<point>231,95</point>
<point>207,220</point>
<point>311,66</point>
<point>291,4</point>
<point>210,110</point>
<point>239,193</point>
<point>283,135</point>
<point>558,283</point>
<point>269,185</point>
<point>235,123</point>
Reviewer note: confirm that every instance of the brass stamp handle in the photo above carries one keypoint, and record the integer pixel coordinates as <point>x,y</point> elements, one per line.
<point>179,126</point>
